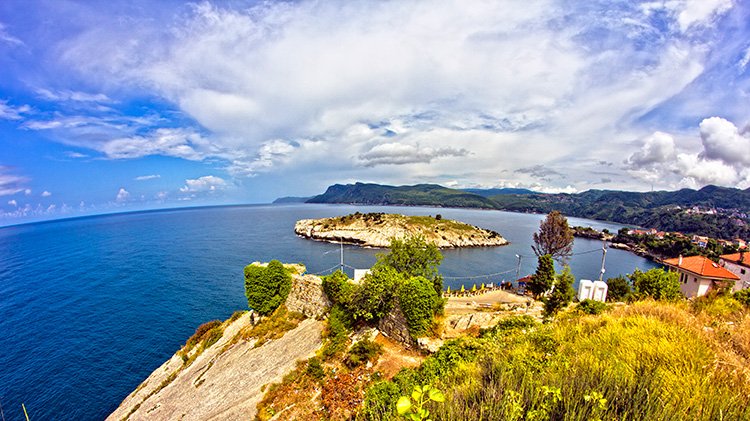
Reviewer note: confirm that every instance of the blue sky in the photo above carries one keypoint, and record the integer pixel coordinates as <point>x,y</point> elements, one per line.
<point>122,105</point>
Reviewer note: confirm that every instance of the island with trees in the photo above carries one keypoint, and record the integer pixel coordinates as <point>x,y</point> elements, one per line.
<point>377,230</point>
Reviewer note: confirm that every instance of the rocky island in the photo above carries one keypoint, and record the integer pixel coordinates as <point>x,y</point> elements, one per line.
<point>377,229</point>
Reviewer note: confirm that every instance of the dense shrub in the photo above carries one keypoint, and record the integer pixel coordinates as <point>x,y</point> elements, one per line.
<point>743,296</point>
<point>266,287</point>
<point>509,326</point>
<point>315,369</point>
<point>201,332</point>
<point>418,303</point>
<point>373,298</point>
<point>337,333</point>
<point>656,284</point>
<point>363,351</point>
<point>591,307</point>
<point>338,288</point>
<point>414,256</point>
<point>618,288</point>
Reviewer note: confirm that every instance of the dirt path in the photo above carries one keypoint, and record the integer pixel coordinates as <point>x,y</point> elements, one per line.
<point>463,305</point>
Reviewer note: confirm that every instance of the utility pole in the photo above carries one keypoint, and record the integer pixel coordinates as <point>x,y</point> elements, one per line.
<point>518,268</point>
<point>604,255</point>
<point>341,246</point>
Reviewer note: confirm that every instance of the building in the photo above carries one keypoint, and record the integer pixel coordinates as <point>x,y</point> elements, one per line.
<point>738,264</point>
<point>740,243</point>
<point>699,275</point>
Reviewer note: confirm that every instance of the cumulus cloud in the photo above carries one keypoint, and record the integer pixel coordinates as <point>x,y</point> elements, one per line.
<point>13,202</point>
<point>147,177</point>
<point>724,142</point>
<point>46,194</point>
<point>657,149</point>
<point>208,183</point>
<point>399,154</point>
<point>123,196</point>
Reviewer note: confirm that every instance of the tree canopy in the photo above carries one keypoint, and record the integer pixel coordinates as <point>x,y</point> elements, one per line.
<point>414,256</point>
<point>562,294</point>
<point>541,281</point>
<point>656,283</point>
<point>555,238</point>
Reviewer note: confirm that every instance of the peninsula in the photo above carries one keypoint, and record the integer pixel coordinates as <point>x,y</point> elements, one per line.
<point>377,229</point>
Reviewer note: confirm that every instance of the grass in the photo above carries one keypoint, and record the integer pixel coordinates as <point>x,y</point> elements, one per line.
<point>650,360</point>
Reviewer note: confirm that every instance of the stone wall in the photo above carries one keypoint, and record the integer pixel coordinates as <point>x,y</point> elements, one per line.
<point>394,326</point>
<point>307,296</point>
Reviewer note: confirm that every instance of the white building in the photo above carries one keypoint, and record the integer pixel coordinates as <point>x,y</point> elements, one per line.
<point>699,275</point>
<point>738,264</point>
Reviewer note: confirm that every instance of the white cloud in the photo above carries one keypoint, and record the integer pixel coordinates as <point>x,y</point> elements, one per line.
<point>13,202</point>
<point>657,148</point>
<point>698,172</point>
<point>207,183</point>
<point>46,194</point>
<point>9,112</point>
<point>147,177</point>
<point>10,183</point>
<point>179,143</point>
<point>723,141</point>
<point>398,154</point>
<point>75,96</point>
<point>7,38</point>
<point>27,192</point>
<point>123,196</point>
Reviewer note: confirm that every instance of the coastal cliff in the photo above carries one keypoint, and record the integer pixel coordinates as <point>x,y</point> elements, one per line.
<point>377,229</point>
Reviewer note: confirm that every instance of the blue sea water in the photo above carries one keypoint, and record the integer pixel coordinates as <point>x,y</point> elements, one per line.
<point>90,307</point>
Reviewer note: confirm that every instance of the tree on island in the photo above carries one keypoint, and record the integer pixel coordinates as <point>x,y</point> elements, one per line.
<point>267,287</point>
<point>541,281</point>
<point>555,238</point>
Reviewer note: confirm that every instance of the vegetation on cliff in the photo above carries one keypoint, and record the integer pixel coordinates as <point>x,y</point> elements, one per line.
<point>266,287</point>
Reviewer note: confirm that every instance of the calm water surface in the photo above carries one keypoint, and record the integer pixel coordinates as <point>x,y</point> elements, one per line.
<point>90,307</point>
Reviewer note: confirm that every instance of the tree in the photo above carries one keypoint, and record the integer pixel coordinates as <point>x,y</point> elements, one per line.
<point>541,281</point>
<point>656,284</point>
<point>266,288</point>
<point>617,288</point>
<point>561,295</point>
<point>414,256</point>
<point>554,238</point>
<point>373,298</point>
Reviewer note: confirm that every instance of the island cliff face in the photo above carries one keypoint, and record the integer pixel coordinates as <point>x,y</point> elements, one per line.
<point>377,229</point>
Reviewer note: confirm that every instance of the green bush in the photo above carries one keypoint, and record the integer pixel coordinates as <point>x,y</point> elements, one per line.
<point>618,288</point>
<point>509,326</point>
<point>373,298</point>
<point>315,369</point>
<point>591,307</point>
<point>363,351</point>
<point>267,287</point>
<point>337,287</point>
<point>656,284</point>
<point>743,296</point>
<point>337,333</point>
<point>417,299</point>
<point>541,281</point>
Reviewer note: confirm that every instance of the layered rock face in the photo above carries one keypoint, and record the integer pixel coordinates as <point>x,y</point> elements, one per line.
<point>376,230</point>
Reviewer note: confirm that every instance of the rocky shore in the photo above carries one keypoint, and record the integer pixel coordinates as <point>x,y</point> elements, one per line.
<point>376,230</point>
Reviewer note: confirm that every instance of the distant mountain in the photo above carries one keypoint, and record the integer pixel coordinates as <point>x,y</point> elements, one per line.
<point>662,210</point>
<point>418,195</point>
<point>291,199</point>
<point>497,192</point>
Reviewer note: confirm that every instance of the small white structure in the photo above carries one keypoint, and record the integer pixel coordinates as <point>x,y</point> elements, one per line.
<point>359,274</point>
<point>599,292</point>
<point>585,289</point>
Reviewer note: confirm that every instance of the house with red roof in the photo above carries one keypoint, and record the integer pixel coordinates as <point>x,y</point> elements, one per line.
<point>738,264</point>
<point>699,275</point>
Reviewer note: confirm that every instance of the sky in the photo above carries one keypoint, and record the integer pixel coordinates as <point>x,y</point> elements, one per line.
<point>111,106</point>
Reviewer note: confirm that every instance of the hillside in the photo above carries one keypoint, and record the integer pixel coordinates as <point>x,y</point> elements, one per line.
<point>377,229</point>
<point>662,210</point>
<point>418,195</point>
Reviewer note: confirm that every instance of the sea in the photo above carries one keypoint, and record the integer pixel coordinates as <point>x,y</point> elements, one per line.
<point>89,307</point>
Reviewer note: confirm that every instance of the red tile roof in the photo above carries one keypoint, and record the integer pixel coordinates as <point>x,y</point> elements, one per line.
<point>701,266</point>
<point>743,258</point>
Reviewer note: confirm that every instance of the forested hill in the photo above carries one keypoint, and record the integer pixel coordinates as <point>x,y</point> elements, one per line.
<point>419,195</point>
<point>658,210</point>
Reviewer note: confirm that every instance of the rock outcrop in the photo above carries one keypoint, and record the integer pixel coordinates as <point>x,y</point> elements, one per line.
<point>376,230</point>
<point>220,385</point>
<point>307,296</point>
